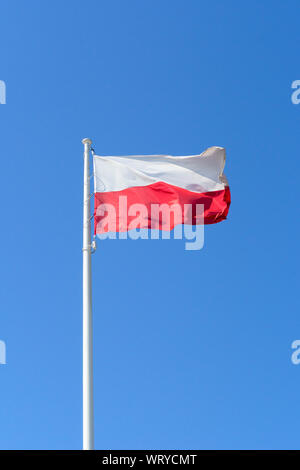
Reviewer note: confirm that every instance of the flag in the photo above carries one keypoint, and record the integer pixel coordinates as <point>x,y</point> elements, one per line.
<point>159,191</point>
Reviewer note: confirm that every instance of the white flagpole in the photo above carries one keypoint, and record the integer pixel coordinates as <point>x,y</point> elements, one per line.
<point>87,370</point>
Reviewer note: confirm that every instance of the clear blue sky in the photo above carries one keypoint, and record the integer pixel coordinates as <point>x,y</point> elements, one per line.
<point>192,349</point>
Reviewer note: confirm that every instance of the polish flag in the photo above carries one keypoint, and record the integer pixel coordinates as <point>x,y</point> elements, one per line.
<point>134,192</point>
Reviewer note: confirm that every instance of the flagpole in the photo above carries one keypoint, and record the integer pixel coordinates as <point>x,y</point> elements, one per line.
<point>87,369</point>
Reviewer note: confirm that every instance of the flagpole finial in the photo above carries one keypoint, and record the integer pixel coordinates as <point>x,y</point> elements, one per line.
<point>86,141</point>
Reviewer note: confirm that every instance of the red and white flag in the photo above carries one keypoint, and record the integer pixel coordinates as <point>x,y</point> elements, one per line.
<point>131,191</point>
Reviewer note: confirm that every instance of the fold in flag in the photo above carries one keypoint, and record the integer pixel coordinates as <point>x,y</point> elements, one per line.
<point>134,191</point>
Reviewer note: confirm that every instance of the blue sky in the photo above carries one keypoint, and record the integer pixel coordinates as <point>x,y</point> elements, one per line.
<point>192,349</point>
